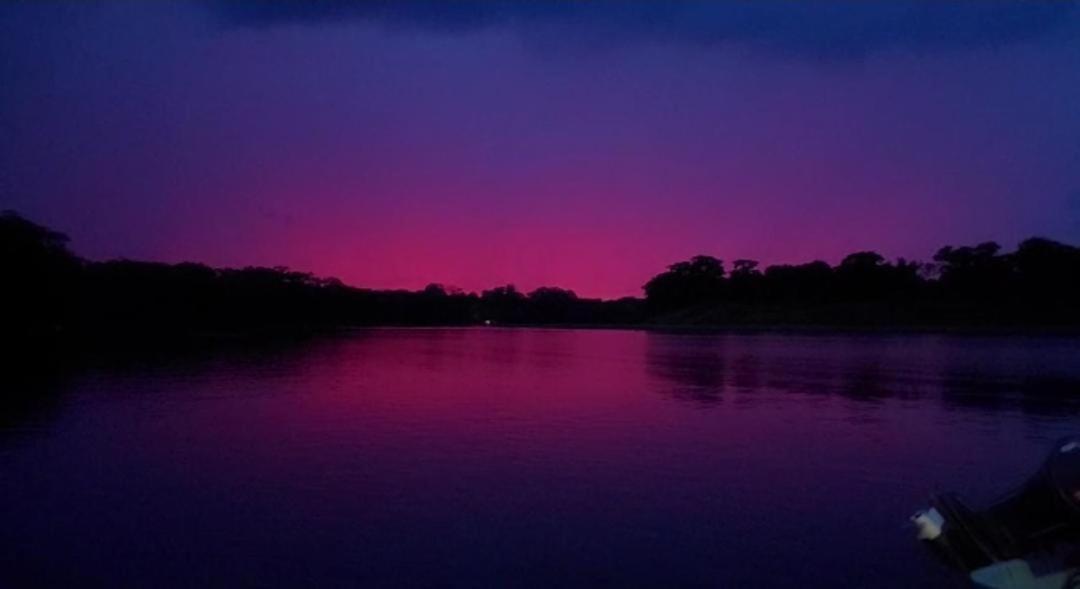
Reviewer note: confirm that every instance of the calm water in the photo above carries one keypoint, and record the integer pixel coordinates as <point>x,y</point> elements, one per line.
<point>522,458</point>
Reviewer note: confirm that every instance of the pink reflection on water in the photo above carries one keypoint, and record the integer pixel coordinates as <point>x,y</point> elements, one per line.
<point>489,456</point>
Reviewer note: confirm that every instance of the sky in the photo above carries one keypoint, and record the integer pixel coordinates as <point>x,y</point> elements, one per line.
<point>582,145</point>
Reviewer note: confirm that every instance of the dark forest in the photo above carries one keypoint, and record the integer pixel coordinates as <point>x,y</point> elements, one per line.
<point>50,293</point>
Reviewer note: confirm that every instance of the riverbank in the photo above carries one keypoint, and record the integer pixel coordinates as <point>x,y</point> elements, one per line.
<point>132,340</point>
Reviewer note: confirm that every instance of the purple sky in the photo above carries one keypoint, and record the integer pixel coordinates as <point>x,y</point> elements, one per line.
<point>581,145</point>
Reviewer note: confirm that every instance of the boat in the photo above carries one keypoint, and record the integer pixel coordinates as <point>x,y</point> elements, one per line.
<point>1029,539</point>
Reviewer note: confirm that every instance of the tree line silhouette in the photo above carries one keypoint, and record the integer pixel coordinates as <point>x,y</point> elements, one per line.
<point>49,292</point>
<point>1038,285</point>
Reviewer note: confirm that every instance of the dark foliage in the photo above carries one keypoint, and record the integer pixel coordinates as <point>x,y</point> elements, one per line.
<point>49,294</point>
<point>978,286</point>
<point>39,276</point>
<point>696,281</point>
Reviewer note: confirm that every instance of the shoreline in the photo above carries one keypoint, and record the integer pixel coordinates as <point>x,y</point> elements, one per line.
<point>796,329</point>
<point>45,348</point>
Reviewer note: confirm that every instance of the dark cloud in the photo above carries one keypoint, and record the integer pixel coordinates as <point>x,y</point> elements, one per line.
<point>803,28</point>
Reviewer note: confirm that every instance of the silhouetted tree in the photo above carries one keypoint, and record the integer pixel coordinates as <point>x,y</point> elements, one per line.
<point>503,304</point>
<point>866,276</point>
<point>974,272</point>
<point>746,281</point>
<point>744,268</point>
<point>806,283</point>
<point>549,304</point>
<point>50,293</point>
<point>1048,271</point>
<point>434,290</point>
<point>699,280</point>
<point>39,278</point>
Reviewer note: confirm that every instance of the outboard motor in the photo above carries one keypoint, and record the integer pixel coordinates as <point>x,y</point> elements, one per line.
<point>1040,518</point>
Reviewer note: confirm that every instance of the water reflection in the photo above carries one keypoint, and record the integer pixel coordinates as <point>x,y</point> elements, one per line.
<point>498,457</point>
<point>32,395</point>
<point>692,369</point>
<point>1034,395</point>
<point>1039,377</point>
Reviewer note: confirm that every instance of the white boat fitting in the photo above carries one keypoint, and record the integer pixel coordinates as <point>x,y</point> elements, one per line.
<point>1029,539</point>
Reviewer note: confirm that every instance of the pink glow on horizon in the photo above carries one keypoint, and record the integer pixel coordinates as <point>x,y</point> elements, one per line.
<point>398,159</point>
